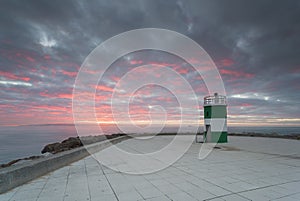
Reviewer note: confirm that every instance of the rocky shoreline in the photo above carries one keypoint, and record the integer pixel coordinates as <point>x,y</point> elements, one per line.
<point>65,145</point>
<point>74,142</point>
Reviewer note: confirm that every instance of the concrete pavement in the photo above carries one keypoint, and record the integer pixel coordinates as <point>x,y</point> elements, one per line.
<point>246,168</point>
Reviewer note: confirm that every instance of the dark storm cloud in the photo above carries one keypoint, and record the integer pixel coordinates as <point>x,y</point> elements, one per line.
<point>262,38</point>
<point>46,41</point>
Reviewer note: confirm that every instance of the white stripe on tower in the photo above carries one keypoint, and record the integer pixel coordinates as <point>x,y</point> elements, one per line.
<point>217,124</point>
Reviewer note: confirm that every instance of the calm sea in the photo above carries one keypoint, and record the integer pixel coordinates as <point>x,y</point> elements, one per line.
<point>23,141</point>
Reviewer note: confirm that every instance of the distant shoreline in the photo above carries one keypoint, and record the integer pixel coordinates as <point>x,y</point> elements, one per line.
<point>272,135</point>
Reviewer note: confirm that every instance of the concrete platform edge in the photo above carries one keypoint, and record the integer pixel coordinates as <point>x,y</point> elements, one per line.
<point>17,175</point>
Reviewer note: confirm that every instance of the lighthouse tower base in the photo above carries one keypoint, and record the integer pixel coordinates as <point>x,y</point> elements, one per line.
<point>215,137</point>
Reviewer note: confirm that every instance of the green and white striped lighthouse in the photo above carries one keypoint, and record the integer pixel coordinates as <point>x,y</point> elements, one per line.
<point>215,119</point>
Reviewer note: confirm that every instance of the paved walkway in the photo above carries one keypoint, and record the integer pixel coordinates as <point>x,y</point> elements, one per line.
<point>246,168</point>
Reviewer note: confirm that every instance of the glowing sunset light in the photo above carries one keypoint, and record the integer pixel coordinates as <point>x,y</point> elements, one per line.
<point>41,54</point>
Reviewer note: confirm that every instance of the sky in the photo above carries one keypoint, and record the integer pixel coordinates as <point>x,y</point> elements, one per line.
<point>254,44</point>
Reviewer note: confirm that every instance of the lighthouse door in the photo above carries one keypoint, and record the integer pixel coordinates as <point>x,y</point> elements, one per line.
<point>208,133</point>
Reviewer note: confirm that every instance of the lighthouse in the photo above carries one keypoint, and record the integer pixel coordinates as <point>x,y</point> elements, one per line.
<point>215,119</point>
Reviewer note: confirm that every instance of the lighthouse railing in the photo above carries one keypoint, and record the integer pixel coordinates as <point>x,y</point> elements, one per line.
<point>215,100</point>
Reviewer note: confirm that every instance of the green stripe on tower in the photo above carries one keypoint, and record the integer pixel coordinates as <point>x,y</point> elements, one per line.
<point>216,111</point>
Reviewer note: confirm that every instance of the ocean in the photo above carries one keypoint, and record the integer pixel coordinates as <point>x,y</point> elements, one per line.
<point>23,141</point>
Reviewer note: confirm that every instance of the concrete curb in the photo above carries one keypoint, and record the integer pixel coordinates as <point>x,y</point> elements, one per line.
<point>17,175</point>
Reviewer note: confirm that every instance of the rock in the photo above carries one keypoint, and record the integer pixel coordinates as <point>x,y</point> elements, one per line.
<point>51,147</point>
<point>70,143</point>
<point>74,142</point>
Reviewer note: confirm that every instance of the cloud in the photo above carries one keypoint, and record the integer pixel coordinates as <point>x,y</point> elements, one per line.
<point>235,73</point>
<point>15,83</point>
<point>255,45</point>
<point>9,75</point>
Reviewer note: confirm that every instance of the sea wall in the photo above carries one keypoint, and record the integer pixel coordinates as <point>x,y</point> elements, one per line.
<point>19,174</point>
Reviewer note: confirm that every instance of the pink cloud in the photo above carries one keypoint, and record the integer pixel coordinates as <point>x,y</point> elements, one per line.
<point>68,73</point>
<point>135,62</point>
<point>13,76</point>
<point>47,57</point>
<point>104,88</point>
<point>235,73</point>
<point>56,95</point>
<point>246,105</point>
<point>30,59</point>
<point>115,78</point>
<point>226,62</point>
